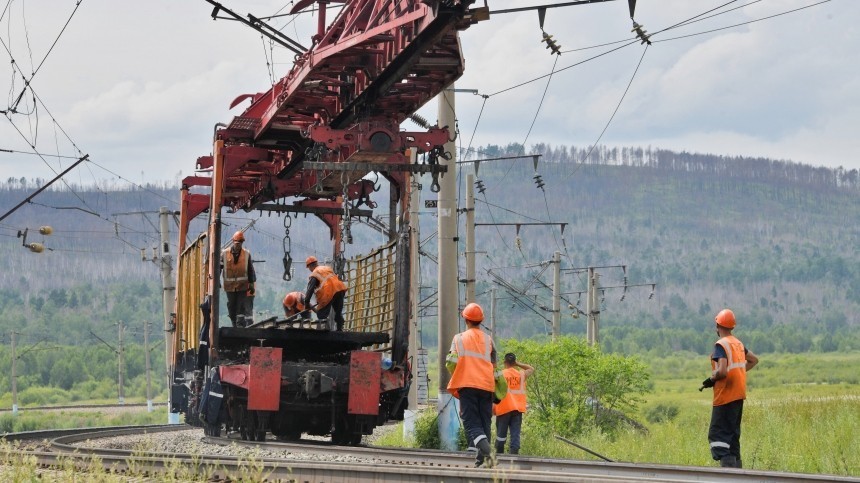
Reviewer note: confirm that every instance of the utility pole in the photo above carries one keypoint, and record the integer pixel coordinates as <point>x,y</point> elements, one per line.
<point>414,240</point>
<point>168,297</point>
<point>592,307</point>
<point>470,238</point>
<point>148,378</point>
<point>448,320</point>
<point>493,312</point>
<point>556,296</point>
<point>119,366</point>
<point>14,377</point>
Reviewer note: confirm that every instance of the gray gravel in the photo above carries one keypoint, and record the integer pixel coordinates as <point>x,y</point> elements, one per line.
<point>189,442</point>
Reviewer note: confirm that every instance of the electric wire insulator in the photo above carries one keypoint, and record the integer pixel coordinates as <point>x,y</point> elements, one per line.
<point>420,120</point>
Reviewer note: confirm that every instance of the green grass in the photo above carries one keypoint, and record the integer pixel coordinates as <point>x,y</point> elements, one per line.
<point>37,420</point>
<point>802,415</point>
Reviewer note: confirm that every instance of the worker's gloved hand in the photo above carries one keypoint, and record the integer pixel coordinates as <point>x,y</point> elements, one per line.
<point>708,382</point>
<point>306,314</point>
<point>251,290</point>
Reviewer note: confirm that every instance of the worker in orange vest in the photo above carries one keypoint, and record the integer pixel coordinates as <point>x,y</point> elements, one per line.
<point>730,362</point>
<point>509,412</point>
<point>471,361</point>
<point>294,303</point>
<point>328,289</point>
<point>239,278</point>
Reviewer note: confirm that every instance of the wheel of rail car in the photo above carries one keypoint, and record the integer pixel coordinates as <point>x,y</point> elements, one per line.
<point>258,433</point>
<point>289,436</point>
<point>344,431</point>
<point>244,423</point>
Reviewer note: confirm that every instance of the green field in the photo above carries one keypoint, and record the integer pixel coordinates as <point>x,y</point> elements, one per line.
<point>802,414</point>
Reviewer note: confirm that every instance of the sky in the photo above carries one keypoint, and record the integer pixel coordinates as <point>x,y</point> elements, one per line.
<point>139,86</point>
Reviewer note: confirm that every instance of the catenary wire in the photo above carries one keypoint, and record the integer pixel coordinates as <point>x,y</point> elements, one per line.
<point>745,23</point>
<point>614,112</point>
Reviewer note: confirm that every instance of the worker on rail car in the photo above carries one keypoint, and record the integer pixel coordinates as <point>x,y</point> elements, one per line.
<point>239,279</point>
<point>294,303</point>
<point>471,362</point>
<point>328,289</point>
<point>730,362</point>
<point>509,412</point>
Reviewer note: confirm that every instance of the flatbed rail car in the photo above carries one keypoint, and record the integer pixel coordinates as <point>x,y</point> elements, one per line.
<point>314,135</point>
<point>293,376</point>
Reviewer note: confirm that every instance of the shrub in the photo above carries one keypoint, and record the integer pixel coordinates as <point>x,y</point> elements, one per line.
<point>427,432</point>
<point>576,387</point>
<point>662,413</point>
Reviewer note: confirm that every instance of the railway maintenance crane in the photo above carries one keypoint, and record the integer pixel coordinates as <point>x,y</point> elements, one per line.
<point>305,145</point>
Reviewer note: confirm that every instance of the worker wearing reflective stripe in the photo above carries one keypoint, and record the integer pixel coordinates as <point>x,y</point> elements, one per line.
<point>730,362</point>
<point>471,361</point>
<point>509,411</point>
<point>239,278</point>
<point>328,289</point>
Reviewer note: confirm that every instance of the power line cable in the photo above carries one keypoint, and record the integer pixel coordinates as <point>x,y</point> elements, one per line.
<point>27,82</point>
<point>587,155</point>
<point>745,23</point>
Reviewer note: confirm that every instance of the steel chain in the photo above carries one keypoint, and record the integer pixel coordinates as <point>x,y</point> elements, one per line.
<point>288,245</point>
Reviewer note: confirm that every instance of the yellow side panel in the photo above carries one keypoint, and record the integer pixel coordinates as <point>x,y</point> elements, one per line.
<point>369,303</point>
<point>190,292</point>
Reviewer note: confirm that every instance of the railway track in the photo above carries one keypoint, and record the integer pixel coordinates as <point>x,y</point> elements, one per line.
<point>58,447</point>
<point>85,407</point>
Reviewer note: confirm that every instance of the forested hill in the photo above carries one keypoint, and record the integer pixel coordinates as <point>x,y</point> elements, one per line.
<point>776,241</point>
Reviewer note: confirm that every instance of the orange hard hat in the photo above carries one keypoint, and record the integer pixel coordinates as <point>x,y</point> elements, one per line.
<point>311,259</point>
<point>473,313</point>
<point>290,300</point>
<point>239,236</point>
<point>726,318</point>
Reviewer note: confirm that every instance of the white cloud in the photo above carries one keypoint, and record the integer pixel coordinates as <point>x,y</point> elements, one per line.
<point>139,86</point>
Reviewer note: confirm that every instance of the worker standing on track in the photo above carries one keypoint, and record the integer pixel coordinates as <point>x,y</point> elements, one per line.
<point>730,362</point>
<point>328,289</point>
<point>509,412</point>
<point>471,362</point>
<point>294,303</point>
<point>239,278</point>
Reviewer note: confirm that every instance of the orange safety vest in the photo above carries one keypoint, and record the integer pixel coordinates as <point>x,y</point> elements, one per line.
<point>329,285</point>
<point>474,364</point>
<point>236,273</point>
<point>734,386</point>
<point>298,306</point>
<point>516,397</point>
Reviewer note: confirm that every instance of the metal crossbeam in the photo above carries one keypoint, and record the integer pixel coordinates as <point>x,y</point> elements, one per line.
<point>314,210</point>
<point>381,167</point>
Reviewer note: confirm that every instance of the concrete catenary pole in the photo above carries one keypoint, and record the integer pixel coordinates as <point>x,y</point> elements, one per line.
<point>168,299</point>
<point>449,422</point>
<point>595,331</point>
<point>119,365</point>
<point>146,356</point>
<point>14,377</point>
<point>470,238</point>
<point>556,296</point>
<point>493,313</point>
<point>414,240</point>
<point>589,300</point>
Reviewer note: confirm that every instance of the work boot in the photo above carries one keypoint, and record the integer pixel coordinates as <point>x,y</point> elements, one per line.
<point>500,447</point>
<point>515,451</point>
<point>739,465</point>
<point>728,462</point>
<point>485,455</point>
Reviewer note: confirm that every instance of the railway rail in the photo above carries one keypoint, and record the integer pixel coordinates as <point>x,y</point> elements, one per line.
<point>374,463</point>
<point>84,407</point>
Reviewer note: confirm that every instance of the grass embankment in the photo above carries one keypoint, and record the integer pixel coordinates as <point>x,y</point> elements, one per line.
<point>802,415</point>
<point>34,420</point>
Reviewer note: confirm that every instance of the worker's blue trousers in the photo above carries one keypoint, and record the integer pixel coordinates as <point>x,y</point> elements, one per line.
<point>476,411</point>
